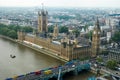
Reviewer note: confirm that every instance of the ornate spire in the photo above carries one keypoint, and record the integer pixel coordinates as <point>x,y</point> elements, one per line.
<point>56,31</point>
<point>42,6</point>
<point>39,13</point>
<point>56,25</point>
<point>97,26</point>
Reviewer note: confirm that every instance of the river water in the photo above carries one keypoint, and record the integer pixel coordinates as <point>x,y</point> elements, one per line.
<point>27,60</point>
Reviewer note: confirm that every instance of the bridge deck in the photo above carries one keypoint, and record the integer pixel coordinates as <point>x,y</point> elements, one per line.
<point>53,72</point>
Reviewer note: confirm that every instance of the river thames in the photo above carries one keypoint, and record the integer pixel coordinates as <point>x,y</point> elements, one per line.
<point>27,60</point>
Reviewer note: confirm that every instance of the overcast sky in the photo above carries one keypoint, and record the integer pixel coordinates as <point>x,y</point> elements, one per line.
<point>61,3</point>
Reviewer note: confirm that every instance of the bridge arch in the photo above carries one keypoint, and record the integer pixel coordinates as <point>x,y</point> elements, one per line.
<point>53,78</point>
<point>67,74</point>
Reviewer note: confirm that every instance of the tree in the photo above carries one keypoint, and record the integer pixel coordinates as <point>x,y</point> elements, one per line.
<point>76,32</point>
<point>14,27</point>
<point>50,29</point>
<point>63,29</point>
<point>84,58</point>
<point>2,25</point>
<point>11,30</point>
<point>4,31</point>
<point>99,59</point>
<point>90,34</point>
<point>116,37</point>
<point>27,29</point>
<point>111,64</point>
<point>12,34</point>
<point>86,27</point>
<point>104,52</point>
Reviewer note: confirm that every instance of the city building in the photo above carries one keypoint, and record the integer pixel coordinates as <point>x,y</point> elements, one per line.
<point>114,52</point>
<point>5,21</point>
<point>64,47</point>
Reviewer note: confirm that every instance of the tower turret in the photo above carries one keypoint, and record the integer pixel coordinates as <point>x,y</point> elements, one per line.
<point>56,31</point>
<point>67,48</point>
<point>21,35</point>
<point>42,21</point>
<point>96,39</point>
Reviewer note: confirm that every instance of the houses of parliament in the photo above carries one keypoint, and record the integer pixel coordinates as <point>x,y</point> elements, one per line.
<point>64,46</point>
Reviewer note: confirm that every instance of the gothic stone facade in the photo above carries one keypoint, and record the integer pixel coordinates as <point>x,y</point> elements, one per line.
<point>67,50</point>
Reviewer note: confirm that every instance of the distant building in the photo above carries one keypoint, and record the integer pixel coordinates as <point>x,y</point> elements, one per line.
<point>114,54</point>
<point>5,21</point>
<point>109,35</point>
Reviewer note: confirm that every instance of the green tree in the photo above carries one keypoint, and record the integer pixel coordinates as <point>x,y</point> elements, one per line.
<point>84,58</point>
<point>99,59</point>
<point>86,27</point>
<point>90,34</point>
<point>11,30</point>
<point>111,64</point>
<point>12,34</point>
<point>2,25</point>
<point>27,29</point>
<point>4,31</point>
<point>63,29</point>
<point>14,27</point>
<point>76,32</point>
<point>116,37</point>
<point>50,29</point>
<point>105,52</point>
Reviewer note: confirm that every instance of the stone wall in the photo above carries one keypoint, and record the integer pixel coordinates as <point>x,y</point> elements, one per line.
<point>44,43</point>
<point>81,52</point>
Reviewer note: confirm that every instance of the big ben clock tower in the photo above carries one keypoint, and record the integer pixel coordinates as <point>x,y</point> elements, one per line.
<point>96,40</point>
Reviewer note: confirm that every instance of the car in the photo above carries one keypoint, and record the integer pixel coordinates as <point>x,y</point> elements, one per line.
<point>119,68</point>
<point>73,65</point>
<point>116,73</point>
<point>102,64</point>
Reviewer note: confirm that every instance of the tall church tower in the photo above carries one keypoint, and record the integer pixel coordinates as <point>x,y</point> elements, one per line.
<point>56,31</point>
<point>96,40</point>
<point>42,21</point>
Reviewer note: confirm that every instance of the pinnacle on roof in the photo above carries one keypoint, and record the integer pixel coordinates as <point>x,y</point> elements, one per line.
<point>97,26</point>
<point>42,11</point>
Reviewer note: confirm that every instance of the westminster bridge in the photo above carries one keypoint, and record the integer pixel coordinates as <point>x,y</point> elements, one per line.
<point>73,66</point>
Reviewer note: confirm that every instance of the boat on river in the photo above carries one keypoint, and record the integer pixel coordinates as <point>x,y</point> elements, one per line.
<point>12,56</point>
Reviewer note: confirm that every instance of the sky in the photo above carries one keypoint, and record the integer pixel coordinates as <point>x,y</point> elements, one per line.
<point>60,3</point>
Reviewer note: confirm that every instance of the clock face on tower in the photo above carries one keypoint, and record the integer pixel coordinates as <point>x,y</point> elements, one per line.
<point>94,32</point>
<point>98,32</point>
